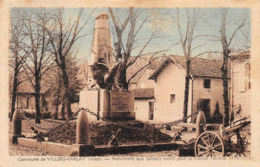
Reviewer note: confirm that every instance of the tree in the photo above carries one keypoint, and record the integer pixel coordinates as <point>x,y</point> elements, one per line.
<point>18,55</point>
<point>54,81</point>
<point>226,51</point>
<point>191,19</point>
<point>40,60</point>
<point>62,35</point>
<point>129,48</point>
<point>57,87</point>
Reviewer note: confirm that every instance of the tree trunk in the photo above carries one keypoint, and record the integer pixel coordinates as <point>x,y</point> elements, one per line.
<point>37,100</point>
<point>226,52</point>
<point>15,85</point>
<point>66,86</point>
<point>67,94</point>
<point>63,109</point>
<point>122,77</point>
<point>57,105</point>
<point>57,100</point>
<point>186,91</point>
<point>225,88</point>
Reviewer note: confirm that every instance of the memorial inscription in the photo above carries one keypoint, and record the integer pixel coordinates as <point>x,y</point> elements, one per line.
<point>120,101</point>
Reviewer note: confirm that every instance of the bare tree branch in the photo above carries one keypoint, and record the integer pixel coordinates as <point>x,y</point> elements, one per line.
<point>236,30</point>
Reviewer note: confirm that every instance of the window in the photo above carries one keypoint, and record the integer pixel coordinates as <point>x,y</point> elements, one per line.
<point>172,98</point>
<point>206,83</point>
<point>247,76</point>
<point>27,102</point>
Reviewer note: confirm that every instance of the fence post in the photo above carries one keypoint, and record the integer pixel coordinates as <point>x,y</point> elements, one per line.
<point>16,127</point>
<point>82,146</point>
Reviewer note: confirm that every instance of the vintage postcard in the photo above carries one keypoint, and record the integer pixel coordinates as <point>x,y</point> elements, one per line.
<point>111,82</point>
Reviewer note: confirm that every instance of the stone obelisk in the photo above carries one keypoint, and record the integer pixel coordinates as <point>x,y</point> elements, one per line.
<point>101,50</point>
<point>109,104</point>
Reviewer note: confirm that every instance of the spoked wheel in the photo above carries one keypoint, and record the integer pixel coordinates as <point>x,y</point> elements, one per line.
<point>209,144</point>
<point>242,149</point>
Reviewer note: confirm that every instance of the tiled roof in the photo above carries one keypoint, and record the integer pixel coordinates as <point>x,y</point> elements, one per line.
<point>146,93</point>
<point>140,63</point>
<point>240,55</point>
<point>200,67</point>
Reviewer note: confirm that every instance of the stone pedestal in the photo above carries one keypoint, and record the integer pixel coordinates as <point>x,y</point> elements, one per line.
<point>121,106</point>
<point>113,105</point>
<point>81,150</point>
<point>16,127</point>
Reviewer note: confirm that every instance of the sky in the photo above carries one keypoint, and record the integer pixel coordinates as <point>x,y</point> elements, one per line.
<point>209,24</point>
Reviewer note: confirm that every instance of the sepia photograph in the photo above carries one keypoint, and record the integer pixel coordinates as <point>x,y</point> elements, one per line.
<point>108,83</point>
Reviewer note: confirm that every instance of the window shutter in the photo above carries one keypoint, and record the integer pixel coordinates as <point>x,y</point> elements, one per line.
<point>247,76</point>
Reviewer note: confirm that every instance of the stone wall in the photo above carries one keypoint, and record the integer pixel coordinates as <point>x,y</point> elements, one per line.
<point>170,81</point>
<point>240,90</point>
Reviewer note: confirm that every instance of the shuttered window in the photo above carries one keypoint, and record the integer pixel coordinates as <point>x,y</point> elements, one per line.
<point>247,76</point>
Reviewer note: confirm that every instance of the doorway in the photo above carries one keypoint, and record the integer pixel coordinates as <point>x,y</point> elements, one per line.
<point>204,105</point>
<point>151,110</point>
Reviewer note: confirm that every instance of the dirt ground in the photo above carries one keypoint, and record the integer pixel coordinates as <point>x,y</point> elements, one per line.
<point>101,132</point>
<point>131,132</point>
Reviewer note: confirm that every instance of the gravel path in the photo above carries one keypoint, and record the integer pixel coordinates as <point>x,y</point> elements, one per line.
<point>18,150</point>
<point>173,153</point>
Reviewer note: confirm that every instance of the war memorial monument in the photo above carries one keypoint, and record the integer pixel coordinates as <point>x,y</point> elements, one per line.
<point>109,104</point>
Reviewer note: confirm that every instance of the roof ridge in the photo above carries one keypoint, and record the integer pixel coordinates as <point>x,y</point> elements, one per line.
<point>196,57</point>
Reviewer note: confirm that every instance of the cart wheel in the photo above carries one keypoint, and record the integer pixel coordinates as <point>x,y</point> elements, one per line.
<point>209,144</point>
<point>246,148</point>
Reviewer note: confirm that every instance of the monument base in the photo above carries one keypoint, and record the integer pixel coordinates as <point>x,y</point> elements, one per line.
<point>119,115</point>
<point>114,105</point>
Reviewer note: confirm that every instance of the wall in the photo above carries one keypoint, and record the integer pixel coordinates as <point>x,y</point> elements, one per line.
<point>142,109</point>
<point>214,93</point>
<point>240,93</point>
<point>132,86</point>
<point>89,99</point>
<point>22,102</point>
<point>144,82</point>
<point>170,81</point>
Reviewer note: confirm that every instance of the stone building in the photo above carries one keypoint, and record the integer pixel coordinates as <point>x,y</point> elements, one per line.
<point>143,87</point>
<point>144,104</point>
<point>26,97</point>
<point>141,79</point>
<point>205,91</point>
<point>240,83</point>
